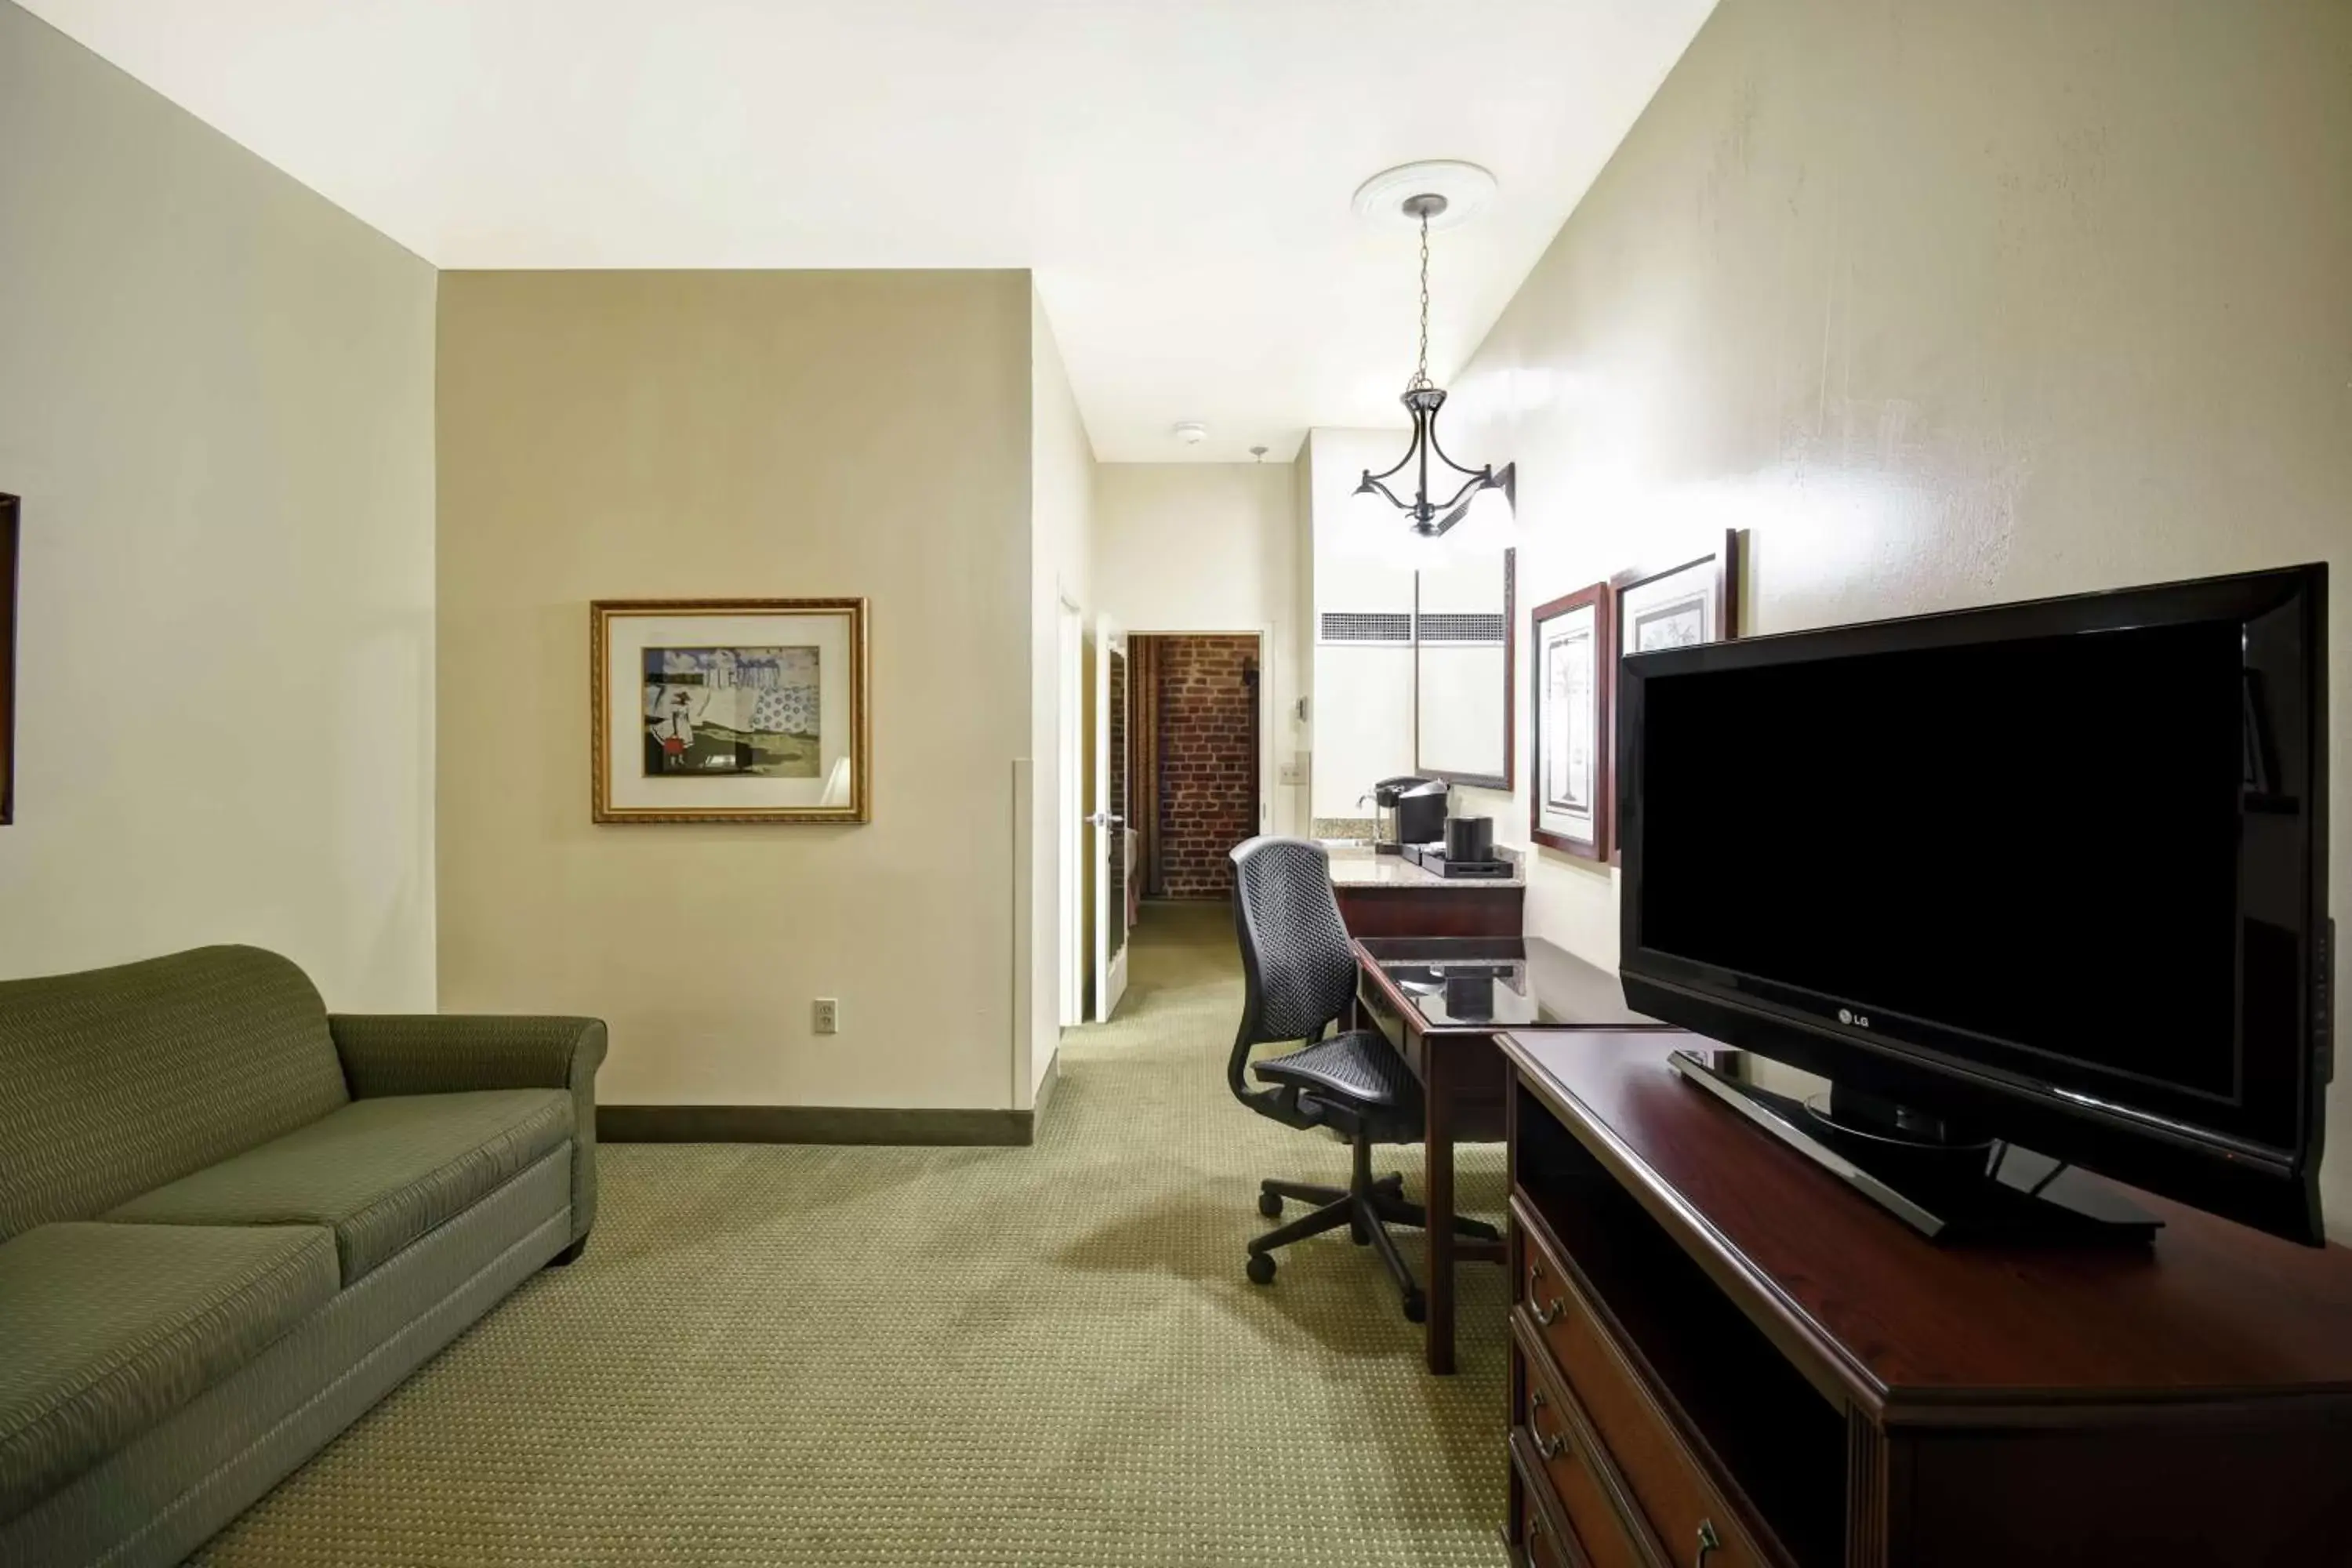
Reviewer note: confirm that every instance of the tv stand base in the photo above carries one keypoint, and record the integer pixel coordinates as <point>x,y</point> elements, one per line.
<point>2009,1195</point>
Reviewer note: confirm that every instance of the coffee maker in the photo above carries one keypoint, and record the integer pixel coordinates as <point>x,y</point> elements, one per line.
<point>1408,809</point>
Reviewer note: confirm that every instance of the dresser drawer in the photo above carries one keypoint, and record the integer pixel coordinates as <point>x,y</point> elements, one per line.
<point>1688,1515</point>
<point>1560,1447</point>
<point>1546,1540</point>
<point>1541,1550</point>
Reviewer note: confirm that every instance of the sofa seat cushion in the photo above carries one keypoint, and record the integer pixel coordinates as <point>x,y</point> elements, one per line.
<point>378,1173</point>
<point>105,1330</point>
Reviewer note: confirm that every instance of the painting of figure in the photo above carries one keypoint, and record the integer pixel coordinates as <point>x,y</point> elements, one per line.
<point>711,711</point>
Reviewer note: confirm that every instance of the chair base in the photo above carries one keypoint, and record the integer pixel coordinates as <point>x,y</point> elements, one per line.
<point>1367,1206</point>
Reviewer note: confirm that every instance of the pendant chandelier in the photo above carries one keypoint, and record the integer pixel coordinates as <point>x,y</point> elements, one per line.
<point>1430,517</point>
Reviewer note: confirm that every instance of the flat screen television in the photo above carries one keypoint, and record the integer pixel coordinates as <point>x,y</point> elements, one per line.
<point>2053,872</point>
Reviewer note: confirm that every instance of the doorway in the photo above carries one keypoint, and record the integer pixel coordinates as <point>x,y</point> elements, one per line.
<point>1194,756</point>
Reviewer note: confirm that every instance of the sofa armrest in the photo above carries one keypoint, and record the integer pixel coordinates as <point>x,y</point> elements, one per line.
<point>426,1053</point>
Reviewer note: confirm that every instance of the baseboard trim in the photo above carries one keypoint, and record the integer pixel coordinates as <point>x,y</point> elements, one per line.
<point>812,1124</point>
<point>1045,1088</point>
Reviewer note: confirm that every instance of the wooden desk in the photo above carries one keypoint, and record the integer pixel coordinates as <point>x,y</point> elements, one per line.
<point>1721,1354</point>
<point>1441,1001</point>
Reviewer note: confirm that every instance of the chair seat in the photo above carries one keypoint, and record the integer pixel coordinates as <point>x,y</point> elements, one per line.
<point>1358,1069</point>
<point>378,1173</point>
<point>105,1330</point>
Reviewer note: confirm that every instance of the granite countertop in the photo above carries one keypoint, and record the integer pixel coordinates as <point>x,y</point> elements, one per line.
<point>1355,866</point>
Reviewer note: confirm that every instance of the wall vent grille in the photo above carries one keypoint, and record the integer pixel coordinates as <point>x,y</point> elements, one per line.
<point>1393,627</point>
<point>1473,630</point>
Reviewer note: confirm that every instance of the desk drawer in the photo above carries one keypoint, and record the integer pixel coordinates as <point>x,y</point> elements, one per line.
<point>1690,1520</point>
<point>1373,1007</point>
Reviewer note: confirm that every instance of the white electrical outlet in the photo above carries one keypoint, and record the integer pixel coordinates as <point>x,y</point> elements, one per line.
<point>825,1015</point>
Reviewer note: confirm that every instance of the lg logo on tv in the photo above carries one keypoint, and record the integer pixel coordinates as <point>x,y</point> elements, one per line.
<point>1848,1016</point>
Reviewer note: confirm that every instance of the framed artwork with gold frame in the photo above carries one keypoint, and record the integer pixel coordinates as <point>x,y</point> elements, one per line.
<point>729,710</point>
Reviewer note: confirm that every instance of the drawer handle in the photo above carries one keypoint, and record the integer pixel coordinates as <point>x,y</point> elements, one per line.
<point>1547,1313</point>
<point>1708,1544</point>
<point>1549,1447</point>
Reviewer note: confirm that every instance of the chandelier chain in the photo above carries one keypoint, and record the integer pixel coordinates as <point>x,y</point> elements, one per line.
<point>1421,370</point>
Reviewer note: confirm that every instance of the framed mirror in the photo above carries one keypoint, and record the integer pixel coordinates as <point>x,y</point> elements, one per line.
<point>1462,696</point>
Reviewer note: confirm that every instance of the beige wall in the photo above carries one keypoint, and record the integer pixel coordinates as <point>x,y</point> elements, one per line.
<point>1208,547</point>
<point>1951,304</point>
<point>660,434</point>
<point>216,402</point>
<point>1062,478</point>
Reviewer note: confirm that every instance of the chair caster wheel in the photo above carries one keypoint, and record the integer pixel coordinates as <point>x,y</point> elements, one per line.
<point>1416,1308</point>
<point>1360,1236</point>
<point>1261,1268</point>
<point>1270,1204</point>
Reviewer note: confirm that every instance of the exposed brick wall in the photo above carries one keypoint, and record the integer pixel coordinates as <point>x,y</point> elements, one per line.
<point>1208,761</point>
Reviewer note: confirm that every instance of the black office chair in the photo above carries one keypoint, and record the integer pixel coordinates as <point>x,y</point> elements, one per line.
<point>1302,976</point>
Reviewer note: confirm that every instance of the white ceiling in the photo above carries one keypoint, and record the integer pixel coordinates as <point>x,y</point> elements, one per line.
<point>1178,174</point>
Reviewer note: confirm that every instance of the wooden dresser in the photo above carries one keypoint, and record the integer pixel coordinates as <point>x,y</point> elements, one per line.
<point>1723,1358</point>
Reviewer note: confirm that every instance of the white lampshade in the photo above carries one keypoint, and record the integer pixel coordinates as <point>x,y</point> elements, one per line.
<point>1492,522</point>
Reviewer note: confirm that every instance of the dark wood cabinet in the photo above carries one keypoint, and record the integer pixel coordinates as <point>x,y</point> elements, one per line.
<point>1720,1357</point>
<point>1499,910</point>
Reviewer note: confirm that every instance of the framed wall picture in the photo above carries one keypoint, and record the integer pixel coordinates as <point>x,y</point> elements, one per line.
<point>1695,599</point>
<point>1575,656</point>
<point>9,508</point>
<point>729,710</point>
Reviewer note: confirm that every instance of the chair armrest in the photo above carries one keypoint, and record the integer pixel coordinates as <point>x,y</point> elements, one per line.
<point>428,1053</point>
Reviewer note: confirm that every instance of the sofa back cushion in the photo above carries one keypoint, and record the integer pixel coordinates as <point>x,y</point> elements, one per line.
<point>117,1081</point>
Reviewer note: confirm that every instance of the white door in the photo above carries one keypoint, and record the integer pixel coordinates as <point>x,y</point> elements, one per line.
<point>1071,762</point>
<point>1109,822</point>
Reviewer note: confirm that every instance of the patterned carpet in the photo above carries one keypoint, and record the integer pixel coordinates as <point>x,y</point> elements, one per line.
<point>985,1358</point>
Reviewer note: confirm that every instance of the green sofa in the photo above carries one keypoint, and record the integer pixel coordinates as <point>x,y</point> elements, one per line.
<point>230,1222</point>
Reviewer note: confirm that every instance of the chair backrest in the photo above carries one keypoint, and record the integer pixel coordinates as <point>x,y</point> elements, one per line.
<point>115,1081</point>
<point>1300,971</point>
